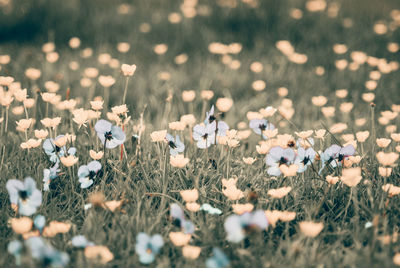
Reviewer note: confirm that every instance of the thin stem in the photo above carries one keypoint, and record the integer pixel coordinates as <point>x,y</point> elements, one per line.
<point>125,89</point>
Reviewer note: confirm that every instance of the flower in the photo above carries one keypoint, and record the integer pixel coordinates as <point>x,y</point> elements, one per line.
<point>274,215</point>
<point>179,239</point>
<point>311,229</point>
<point>319,100</point>
<point>128,70</point>
<point>188,95</point>
<point>48,175</point>
<point>335,154</point>
<point>351,176</point>
<point>87,173</point>
<point>106,81</point>
<point>191,252</point>
<point>24,124</point>
<point>97,105</point>
<point>39,222</point>
<point>204,135</point>
<point>24,195</point>
<point>175,145</point>
<point>178,161</point>
<point>189,195</point>
<point>219,260</point>
<point>80,241</point>
<point>69,160</point>
<point>249,160</point>
<point>99,252</point>
<point>207,94</point>
<point>21,225</point>
<point>224,104</point>
<point>391,189</point>
<point>387,159</point>
<point>111,136</point>
<point>54,151</point>
<point>178,216</point>
<point>242,208</point>
<point>278,156</point>
<point>44,252</point>
<point>332,180</point>
<point>383,142</point>
<point>56,227</point>
<point>235,225</point>
<point>259,125</point>
<point>158,136</point>
<point>280,192</point>
<point>148,247</point>
<point>96,155</point>
<point>229,189</point>
<point>41,134</point>
<point>304,158</point>
<point>14,247</point>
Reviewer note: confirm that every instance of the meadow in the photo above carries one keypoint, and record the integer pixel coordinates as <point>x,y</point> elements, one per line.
<point>199,133</point>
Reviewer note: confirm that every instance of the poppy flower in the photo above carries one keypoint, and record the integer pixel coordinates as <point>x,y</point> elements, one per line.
<point>147,247</point>
<point>218,260</point>
<point>24,195</point>
<point>101,253</point>
<point>179,239</point>
<point>111,136</point>
<point>54,151</point>
<point>176,146</point>
<point>236,225</point>
<point>279,156</point>
<point>87,173</point>
<point>191,252</point>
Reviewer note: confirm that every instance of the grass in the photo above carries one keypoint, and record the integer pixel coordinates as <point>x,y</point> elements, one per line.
<point>148,183</point>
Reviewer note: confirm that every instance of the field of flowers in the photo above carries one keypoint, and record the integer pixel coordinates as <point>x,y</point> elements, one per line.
<point>199,133</point>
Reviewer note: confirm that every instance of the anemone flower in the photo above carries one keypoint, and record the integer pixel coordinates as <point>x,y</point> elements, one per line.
<point>111,136</point>
<point>176,146</point>
<point>279,156</point>
<point>24,195</point>
<point>147,247</point>
<point>55,152</point>
<point>45,253</point>
<point>218,260</point>
<point>49,174</point>
<point>235,225</point>
<point>304,158</point>
<point>87,173</point>
<point>204,135</point>
<point>259,125</point>
<point>177,214</point>
<point>335,154</point>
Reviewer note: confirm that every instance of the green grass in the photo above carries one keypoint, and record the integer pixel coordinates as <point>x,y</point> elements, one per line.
<point>344,241</point>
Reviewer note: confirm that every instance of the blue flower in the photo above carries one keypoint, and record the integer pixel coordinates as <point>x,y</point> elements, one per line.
<point>219,260</point>
<point>87,173</point>
<point>176,146</point>
<point>279,156</point>
<point>45,253</point>
<point>15,249</point>
<point>148,247</point>
<point>177,214</point>
<point>48,175</point>
<point>305,157</point>
<point>54,152</point>
<point>204,135</point>
<point>235,225</point>
<point>335,154</point>
<point>210,118</point>
<point>25,195</point>
<point>259,125</point>
<point>79,241</point>
<point>111,136</point>
<point>39,222</point>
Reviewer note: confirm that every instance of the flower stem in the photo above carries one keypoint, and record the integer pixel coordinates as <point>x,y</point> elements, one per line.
<point>125,89</point>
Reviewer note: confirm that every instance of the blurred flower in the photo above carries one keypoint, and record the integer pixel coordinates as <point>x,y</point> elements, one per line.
<point>319,100</point>
<point>148,247</point>
<point>128,70</point>
<point>178,125</point>
<point>49,174</point>
<point>383,142</point>
<point>21,225</point>
<point>14,247</point>
<point>218,260</point>
<point>24,195</point>
<point>189,195</point>
<point>224,104</point>
<point>69,160</point>
<point>236,225</point>
<point>249,160</point>
<point>178,160</point>
<point>96,155</point>
<point>80,241</point>
<point>242,208</point>
<point>86,173</point>
<point>111,136</point>
<point>106,81</point>
<point>45,253</point>
<point>210,209</point>
<point>178,216</point>
<point>179,239</point>
<point>176,146</point>
<point>191,252</point>
<point>54,151</point>
<point>391,189</point>
<point>207,94</point>
<point>334,155</point>
<point>311,229</point>
<point>188,95</point>
<point>101,253</point>
<point>56,227</point>
<point>280,192</point>
<point>158,136</point>
<point>259,125</point>
<point>351,176</point>
<point>387,159</point>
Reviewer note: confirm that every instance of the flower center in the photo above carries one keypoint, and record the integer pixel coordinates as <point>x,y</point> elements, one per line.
<point>306,160</point>
<point>340,157</point>
<point>283,161</point>
<point>262,127</point>
<point>205,136</point>
<point>92,174</point>
<point>23,194</point>
<point>172,145</point>
<point>57,149</point>
<point>108,135</point>
<point>211,119</point>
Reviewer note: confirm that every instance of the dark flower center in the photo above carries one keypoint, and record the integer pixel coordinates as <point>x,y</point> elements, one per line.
<point>23,194</point>
<point>92,174</point>
<point>172,145</point>
<point>211,118</point>
<point>291,144</point>
<point>340,157</point>
<point>57,149</point>
<point>262,127</point>
<point>306,160</point>
<point>108,135</point>
<point>205,136</point>
<point>283,161</point>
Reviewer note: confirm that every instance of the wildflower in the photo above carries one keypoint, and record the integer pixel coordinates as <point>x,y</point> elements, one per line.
<point>219,260</point>
<point>319,100</point>
<point>304,158</point>
<point>81,117</point>
<point>69,160</point>
<point>24,124</point>
<point>236,225</point>
<point>188,119</point>
<point>148,247</point>
<point>385,171</point>
<point>56,227</point>
<point>335,155</point>
<point>260,125</point>
<point>178,125</point>
<point>96,155</point>
<point>242,208</point>
<point>87,173</point>
<point>41,134</point>
<point>351,176</point>
<point>80,241</point>
<point>280,192</point>
<point>157,136</point>
<point>128,70</point>
<point>49,174</point>
<point>224,104</point>
<point>99,252</point>
<point>311,229</point>
<point>229,189</point>
<point>14,247</point>
<point>45,253</point>
<point>191,252</point>
<point>31,143</point>
<point>54,151</point>
<point>21,225</point>
<point>39,222</point>
<point>362,136</point>
<point>210,209</point>
<point>176,146</point>
<point>178,161</point>
<point>111,136</point>
<point>289,171</point>
<point>179,239</point>
<point>204,135</point>
<point>188,95</point>
<point>332,180</point>
<point>387,159</point>
<point>192,206</point>
<point>391,189</point>
<point>249,160</point>
<point>207,94</point>
<point>278,156</point>
<point>189,195</point>
<point>383,142</point>
<point>178,216</point>
<point>97,105</point>
<point>51,122</point>
<point>24,195</point>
